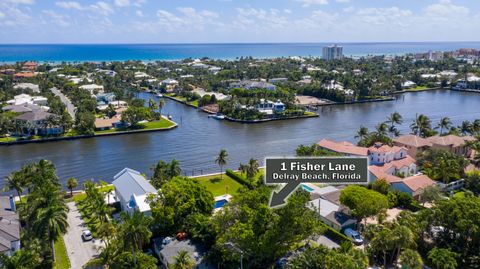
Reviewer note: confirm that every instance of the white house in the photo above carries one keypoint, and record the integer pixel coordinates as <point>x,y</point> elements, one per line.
<point>92,88</point>
<point>131,190</point>
<point>22,99</point>
<point>9,226</point>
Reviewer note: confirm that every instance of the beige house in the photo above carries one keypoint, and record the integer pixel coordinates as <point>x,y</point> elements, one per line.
<point>415,144</point>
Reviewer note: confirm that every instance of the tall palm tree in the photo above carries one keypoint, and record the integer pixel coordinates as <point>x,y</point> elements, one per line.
<point>52,223</point>
<point>21,259</point>
<point>243,168</point>
<point>15,182</point>
<point>444,123</point>
<point>466,127</point>
<point>72,184</point>
<point>421,125</point>
<point>252,168</point>
<point>135,231</point>
<point>152,105</point>
<point>362,133</point>
<point>221,160</point>
<point>183,260</point>
<point>161,104</point>
<point>394,118</point>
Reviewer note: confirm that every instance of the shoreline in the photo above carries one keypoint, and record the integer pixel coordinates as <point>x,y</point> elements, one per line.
<point>65,138</point>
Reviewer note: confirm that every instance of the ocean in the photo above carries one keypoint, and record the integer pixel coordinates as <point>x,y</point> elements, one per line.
<point>152,52</point>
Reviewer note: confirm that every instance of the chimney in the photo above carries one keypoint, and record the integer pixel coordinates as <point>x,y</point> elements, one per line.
<point>12,204</point>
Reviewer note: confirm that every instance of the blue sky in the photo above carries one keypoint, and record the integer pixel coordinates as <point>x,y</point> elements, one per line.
<point>229,21</point>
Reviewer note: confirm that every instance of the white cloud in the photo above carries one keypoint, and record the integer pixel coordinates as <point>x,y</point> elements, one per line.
<point>70,5</point>
<point>99,7</point>
<point>446,8</point>
<point>384,16</point>
<point>57,19</point>
<point>307,3</point>
<point>2,15</point>
<point>102,8</point>
<point>139,13</point>
<point>342,1</point>
<point>122,3</point>
<point>187,18</point>
<point>20,2</point>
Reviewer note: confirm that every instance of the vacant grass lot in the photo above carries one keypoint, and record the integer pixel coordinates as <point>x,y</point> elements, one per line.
<point>219,186</point>
<point>160,124</point>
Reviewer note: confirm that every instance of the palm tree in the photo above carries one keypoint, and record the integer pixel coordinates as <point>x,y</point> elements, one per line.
<point>161,104</point>
<point>21,259</point>
<point>381,129</point>
<point>52,223</point>
<point>106,231</point>
<point>15,182</point>
<point>72,184</point>
<point>466,127</point>
<point>421,125</point>
<point>183,260</point>
<point>222,160</point>
<point>444,123</point>
<point>243,168</point>
<point>135,231</point>
<point>362,133</point>
<point>152,105</point>
<point>252,168</point>
<point>174,168</point>
<point>394,118</point>
<point>442,258</point>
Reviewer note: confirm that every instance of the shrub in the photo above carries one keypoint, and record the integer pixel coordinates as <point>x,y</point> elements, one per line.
<point>243,181</point>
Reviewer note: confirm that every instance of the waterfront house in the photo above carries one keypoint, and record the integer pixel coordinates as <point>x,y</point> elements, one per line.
<point>24,74</point>
<point>269,107</point>
<point>413,143</point>
<point>9,226</point>
<point>345,148</point>
<point>131,191</point>
<point>167,249</point>
<point>105,98</point>
<point>36,122</point>
<point>409,84</point>
<point>29,66</point>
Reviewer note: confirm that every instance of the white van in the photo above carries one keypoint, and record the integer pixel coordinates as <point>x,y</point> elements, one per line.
<point>354,235</point>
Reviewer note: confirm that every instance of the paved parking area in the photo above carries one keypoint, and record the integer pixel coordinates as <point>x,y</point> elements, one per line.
<point>78,251</point>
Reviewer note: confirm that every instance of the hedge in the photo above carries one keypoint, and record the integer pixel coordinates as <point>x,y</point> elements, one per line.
<point>335,235</point>
<point>243,181</point>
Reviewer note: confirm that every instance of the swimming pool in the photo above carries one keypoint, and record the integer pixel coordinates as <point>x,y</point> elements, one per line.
<point>307,188</point>
<point>220,203</point>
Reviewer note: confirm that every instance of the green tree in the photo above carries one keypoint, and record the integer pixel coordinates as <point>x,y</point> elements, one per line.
<point>252,168</point>
<point>161,104</point>
<point>381,186</point>
<point>221,160</point>
<point>410,259</point>
<point>135,232</point>
<point>15,182</point>
<point>442,258</point>
<point>183,260</point>
<point>444,124</point>
<point>72,183</point>
<point>363,202</point>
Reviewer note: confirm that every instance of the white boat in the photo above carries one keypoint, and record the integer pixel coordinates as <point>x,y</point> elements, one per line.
<point>169,117</point>
<point>159,95</point>
<point>217,116</point>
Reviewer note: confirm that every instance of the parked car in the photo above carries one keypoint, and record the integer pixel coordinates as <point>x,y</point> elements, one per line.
<point>87,235</point>
<point>354,235</point>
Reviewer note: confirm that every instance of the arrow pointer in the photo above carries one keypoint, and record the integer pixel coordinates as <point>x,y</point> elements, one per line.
<point>278,198</point>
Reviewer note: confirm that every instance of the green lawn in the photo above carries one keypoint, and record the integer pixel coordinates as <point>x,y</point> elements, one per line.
<point>7,139</point>
<point>61,256</point>
<point>163,123</point>
<point>418,88</point>
<point>219,186</point>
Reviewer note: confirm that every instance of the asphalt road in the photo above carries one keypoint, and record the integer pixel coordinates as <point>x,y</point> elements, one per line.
<point>78,251</point>
<point>65,100</point>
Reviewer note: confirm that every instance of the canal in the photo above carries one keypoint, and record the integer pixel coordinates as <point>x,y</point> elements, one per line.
<point>198,138</point>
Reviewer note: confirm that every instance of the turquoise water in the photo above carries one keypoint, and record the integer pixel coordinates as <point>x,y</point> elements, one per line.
<point>307,188</point>
<point>151,52</point>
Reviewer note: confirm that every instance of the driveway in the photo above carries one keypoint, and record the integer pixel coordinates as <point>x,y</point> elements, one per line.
<point>78,251</point>
<point>66,101</point>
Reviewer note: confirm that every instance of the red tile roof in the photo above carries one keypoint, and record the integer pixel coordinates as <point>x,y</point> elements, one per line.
<point>343,147</point>
<point>450,140</point>
<point>417,182</point>
<point>379,173</point>
<point>413,141</point>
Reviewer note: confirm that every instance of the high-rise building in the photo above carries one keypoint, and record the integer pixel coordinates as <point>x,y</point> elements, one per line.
<point>332,52</point>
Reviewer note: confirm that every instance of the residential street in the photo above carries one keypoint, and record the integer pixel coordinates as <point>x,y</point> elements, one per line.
<point>65,100</point>
<point>78,251</point>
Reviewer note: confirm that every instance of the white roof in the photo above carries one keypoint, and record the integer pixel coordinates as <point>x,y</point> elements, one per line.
<point>130,182</point>
<point>326,207</point>
<point>91,87</point>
